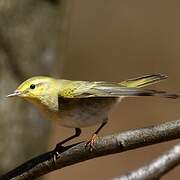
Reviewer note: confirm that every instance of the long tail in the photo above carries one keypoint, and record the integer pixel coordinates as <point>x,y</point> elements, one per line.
<point>148,92</point>
<point>143,81</point>
<point>131,87</point>
<point>130,92</point>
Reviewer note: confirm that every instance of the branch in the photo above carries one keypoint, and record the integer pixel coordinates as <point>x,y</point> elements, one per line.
<point>157,168</point>
<point>116,143</point>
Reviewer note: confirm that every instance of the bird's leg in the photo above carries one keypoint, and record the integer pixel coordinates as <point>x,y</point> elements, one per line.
<point>59,148</point>
<point>77,133</point>
<point>91,141</point>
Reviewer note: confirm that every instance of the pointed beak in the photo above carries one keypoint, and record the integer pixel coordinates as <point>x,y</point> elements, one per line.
<point>15,93</point>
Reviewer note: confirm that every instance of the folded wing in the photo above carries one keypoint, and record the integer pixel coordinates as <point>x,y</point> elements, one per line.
<point>85,89</point>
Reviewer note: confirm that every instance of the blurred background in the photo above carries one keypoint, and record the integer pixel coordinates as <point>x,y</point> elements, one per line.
<point>87,40</point>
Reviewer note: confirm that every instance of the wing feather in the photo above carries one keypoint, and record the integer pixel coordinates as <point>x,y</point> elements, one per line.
<point>86,89</point>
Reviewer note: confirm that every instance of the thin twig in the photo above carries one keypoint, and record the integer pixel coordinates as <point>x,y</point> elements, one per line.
<point>157,168</point>
<point>116,143</point>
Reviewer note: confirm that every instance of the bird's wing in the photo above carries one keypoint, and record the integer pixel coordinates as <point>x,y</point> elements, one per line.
<point>85,89</point>
<point>76,89</point>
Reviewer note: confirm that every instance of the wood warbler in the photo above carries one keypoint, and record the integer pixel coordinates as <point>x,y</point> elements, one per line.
<point>78,104</point>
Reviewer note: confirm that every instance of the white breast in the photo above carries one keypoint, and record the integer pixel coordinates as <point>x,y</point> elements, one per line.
<point>82,114</point>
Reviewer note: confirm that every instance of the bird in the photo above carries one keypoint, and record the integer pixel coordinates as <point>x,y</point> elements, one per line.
<point>79,104</point>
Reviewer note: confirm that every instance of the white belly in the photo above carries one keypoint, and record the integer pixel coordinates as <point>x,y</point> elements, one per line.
<point>82,113</point>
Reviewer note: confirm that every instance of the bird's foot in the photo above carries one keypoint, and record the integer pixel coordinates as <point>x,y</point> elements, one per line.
<point>57,152</point>
<point>59,149</point>
<point>90,143</point>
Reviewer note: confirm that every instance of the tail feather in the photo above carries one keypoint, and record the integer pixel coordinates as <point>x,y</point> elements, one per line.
<point>117,91</point>
<point>143,81</point>
<point>129,88</point>
<point>163,94</point>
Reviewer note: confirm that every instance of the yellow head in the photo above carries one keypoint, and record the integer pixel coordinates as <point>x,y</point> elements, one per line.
<point>36,88</point>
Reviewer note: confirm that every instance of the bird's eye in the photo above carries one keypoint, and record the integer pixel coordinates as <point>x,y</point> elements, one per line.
<point>32,86</point>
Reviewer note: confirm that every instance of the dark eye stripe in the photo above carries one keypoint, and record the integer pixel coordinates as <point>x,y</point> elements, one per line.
<point>32,86</point>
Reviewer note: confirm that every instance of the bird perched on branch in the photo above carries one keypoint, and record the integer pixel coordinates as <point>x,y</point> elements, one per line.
<point>78,104</point>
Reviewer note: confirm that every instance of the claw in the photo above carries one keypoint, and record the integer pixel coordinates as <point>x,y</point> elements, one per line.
<point>57,152</point>
<point>59,149</point>
<point>90,143</point>
<point>56,155</point>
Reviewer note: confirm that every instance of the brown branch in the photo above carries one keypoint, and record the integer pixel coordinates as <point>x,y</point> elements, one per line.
<point>157,168</point>
<point>116,143</point>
